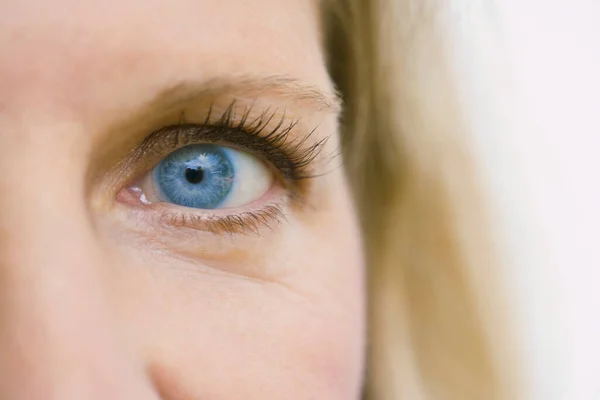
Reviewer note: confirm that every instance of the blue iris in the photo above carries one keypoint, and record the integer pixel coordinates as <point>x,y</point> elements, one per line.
<point>198,176</point>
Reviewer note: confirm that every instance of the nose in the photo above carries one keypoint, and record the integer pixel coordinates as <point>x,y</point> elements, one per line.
<point>59,338</point>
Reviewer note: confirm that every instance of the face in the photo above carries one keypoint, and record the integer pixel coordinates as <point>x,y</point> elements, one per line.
<point>174,221</point>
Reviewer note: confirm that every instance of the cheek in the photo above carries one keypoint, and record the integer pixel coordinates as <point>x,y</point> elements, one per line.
<point>210,333</point>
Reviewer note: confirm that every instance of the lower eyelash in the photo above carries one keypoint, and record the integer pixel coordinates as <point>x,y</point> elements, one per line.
<point>247,222</point>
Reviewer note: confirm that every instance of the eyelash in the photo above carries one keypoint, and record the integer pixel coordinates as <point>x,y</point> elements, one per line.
<point>244,222</point>
<point>292,159</point>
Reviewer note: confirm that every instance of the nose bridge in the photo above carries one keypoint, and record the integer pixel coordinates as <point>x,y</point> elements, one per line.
<point>57,335</point>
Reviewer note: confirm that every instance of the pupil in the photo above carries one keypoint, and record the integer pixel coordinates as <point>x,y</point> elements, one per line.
<point>194,175</point>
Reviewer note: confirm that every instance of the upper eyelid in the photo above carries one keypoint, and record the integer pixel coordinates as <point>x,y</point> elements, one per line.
<point>127,124</point>
<point>264,134</point>
<point>286,92</point>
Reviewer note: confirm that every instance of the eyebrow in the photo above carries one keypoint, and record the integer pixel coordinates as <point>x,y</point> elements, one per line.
<point>281,88</point>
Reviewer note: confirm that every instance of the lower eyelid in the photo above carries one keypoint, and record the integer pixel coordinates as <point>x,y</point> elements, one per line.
<point>267,211</point>
<point>247,222</point>
<point>173,219</point>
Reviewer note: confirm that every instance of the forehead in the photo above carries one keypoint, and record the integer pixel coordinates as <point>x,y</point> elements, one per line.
<point>80,55</point>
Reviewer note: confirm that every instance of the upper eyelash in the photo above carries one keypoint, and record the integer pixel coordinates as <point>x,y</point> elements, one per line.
<point>292,157</point>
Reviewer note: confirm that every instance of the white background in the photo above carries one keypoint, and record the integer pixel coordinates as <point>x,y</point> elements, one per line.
<point>529,75</point>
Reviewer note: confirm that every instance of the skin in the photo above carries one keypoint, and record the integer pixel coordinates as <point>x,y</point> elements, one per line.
<point>100,301</point>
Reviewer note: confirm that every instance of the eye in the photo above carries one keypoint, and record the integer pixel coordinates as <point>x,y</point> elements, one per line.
<point>207,176</point>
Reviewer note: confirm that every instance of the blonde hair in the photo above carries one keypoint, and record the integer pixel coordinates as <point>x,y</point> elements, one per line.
<point>433,314</point>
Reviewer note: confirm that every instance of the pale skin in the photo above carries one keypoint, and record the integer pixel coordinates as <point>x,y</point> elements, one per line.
<point>102,299</point>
